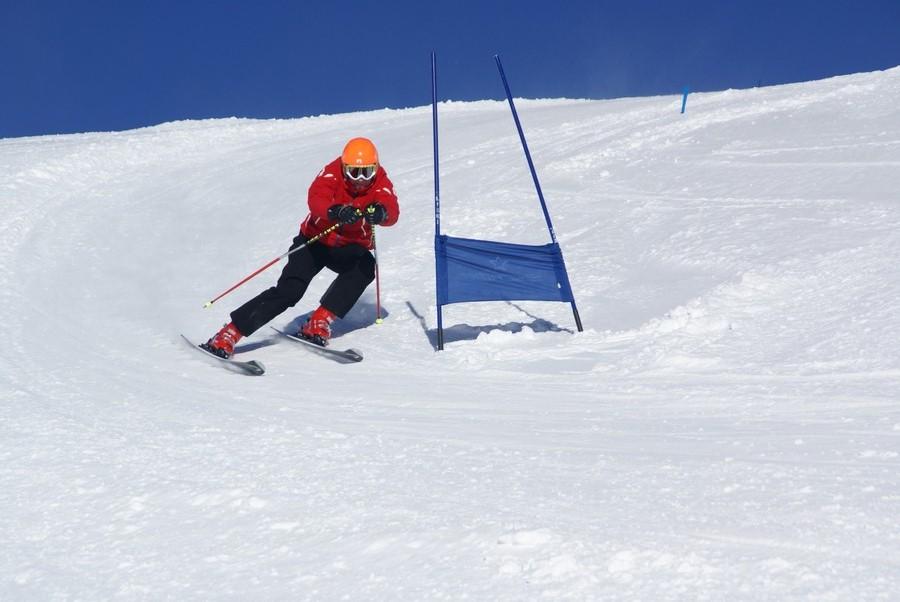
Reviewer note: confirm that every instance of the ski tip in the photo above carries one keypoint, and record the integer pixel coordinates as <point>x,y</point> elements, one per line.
<point>256,368</point>
<point>353,355</point>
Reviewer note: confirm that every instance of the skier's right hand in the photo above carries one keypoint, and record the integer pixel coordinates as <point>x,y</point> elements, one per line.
<point>344,214</point>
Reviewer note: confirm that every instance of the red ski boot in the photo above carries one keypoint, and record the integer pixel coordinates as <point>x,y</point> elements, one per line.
<point>222,344</point>
<point>318,328</point>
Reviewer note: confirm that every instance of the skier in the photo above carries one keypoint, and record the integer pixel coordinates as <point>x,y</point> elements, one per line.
<point>354,191</point>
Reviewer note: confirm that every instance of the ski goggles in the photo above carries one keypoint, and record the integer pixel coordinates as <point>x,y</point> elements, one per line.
<point>360,172</point>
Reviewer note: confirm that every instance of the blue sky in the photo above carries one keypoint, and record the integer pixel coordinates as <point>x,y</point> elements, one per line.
<point>111,65</point>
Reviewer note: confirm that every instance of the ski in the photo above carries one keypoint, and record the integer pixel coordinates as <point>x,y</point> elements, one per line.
<point>253,367</point>
<point>343,356</point>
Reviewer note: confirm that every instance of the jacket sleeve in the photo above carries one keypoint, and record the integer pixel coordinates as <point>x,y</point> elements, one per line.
<point>322,192</point>
<point>384,194</point>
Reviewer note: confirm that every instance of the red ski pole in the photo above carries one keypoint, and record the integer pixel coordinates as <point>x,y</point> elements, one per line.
<point>378,319</point>
<point>274,261</point>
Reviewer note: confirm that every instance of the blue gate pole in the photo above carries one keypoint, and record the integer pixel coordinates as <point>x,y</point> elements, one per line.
<point>534,176</point>
<point>437,196</point>
<point>684,99</point>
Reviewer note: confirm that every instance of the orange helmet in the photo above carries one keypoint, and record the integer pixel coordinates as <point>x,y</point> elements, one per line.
<point>359,162</point>
<point>359,151</point>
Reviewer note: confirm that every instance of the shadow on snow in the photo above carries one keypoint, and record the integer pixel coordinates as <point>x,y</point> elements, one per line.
<point>360,316</point>
<point>465,332</point>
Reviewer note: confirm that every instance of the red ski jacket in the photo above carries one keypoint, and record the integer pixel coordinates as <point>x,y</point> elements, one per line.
<point>329,188</point>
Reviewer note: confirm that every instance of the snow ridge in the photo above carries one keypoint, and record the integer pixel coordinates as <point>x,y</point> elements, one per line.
<point>726,427</point>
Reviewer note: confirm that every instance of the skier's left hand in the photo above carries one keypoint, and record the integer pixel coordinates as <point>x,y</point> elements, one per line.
<point>344,214</point>
<point>375,213</point>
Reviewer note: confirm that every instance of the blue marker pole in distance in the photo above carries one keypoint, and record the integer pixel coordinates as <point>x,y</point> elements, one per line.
<point>684,99</point>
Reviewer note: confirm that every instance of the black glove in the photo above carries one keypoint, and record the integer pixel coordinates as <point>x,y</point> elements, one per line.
<point>344,214</point>
<point>376,213</point>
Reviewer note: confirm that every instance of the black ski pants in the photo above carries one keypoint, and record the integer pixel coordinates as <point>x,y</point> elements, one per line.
<point>353,264</point>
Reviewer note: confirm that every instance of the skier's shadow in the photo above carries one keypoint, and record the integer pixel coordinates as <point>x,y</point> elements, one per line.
<point>360,316</point>
<point>254,345</point>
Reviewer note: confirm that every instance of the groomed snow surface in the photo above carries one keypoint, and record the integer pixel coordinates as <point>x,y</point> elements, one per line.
<point>727,427</point>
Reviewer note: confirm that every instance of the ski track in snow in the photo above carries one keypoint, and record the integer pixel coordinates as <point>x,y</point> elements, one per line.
<point>727,425</point>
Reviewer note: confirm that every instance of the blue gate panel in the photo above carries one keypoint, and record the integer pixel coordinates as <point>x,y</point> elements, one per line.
<point>481,270</point>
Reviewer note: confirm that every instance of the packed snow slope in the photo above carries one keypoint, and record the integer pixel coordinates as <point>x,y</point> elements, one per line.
<point>726,427</point>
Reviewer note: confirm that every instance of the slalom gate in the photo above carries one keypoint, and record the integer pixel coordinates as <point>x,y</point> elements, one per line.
<point>468,270</point>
